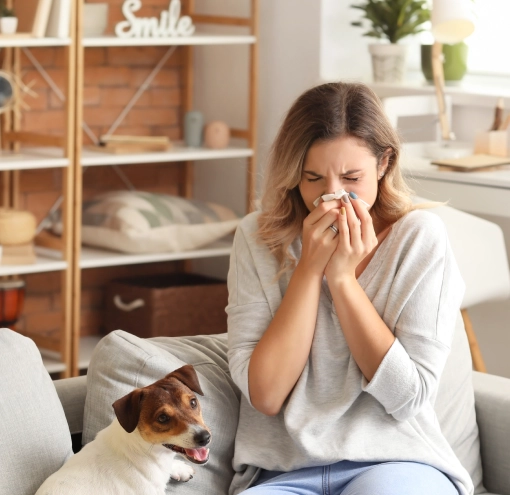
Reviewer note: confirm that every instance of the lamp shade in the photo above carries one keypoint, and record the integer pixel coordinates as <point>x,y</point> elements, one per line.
<point>452,20</point>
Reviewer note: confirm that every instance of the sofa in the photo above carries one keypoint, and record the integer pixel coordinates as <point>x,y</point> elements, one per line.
<point>43,421</point>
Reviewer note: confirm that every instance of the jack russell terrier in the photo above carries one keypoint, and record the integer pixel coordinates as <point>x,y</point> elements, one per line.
<point>135,455</point>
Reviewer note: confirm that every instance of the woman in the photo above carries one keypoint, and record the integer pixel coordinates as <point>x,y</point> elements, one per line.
<point>340,317</point>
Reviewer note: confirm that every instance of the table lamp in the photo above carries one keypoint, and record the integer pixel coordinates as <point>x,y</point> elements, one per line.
<point>451,23</point>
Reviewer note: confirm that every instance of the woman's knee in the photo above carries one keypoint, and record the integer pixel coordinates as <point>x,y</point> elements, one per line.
<point>401,478</point>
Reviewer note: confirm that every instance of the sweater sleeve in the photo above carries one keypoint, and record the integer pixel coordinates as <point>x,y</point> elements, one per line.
<point>248,311</point>
<point>424,301</point>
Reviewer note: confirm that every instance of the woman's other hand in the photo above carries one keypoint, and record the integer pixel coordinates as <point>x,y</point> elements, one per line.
<point>319,241</point>
<point>356,240</point>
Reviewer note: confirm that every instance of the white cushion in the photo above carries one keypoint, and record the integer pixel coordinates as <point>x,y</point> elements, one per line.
<point>142,222</point>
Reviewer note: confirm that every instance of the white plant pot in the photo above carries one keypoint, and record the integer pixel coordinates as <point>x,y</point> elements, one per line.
<point>388,62</point>
<point>8,25</point>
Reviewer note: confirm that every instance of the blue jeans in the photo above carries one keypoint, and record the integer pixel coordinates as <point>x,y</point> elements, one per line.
<point>356,478</point>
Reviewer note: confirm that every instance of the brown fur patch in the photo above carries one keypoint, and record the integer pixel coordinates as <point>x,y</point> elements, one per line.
<point>169,397</point>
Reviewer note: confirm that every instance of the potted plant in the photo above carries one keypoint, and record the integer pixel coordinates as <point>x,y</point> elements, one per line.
<point>8,19</point>
<point>391,20</point>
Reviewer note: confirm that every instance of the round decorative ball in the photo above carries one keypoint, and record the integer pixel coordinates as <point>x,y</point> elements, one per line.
<point>16,227</point>
<point>216,134</point>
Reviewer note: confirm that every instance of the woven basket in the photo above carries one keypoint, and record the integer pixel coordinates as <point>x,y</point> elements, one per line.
<point>176,304</point>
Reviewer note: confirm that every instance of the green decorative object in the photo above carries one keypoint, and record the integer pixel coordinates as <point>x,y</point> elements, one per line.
<point>454,64</point>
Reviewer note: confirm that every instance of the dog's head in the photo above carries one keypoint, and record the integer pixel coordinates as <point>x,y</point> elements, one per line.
<point>168,413</point>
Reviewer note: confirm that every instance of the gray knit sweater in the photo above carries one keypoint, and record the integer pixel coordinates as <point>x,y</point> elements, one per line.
<point>332,413</point>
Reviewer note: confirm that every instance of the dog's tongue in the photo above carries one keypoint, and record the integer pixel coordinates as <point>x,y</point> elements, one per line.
<point>200,454</point>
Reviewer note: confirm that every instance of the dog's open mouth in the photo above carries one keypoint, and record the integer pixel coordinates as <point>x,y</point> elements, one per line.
<point>197,456</point>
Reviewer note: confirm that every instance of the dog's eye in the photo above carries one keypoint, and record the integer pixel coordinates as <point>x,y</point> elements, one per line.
<point>163,418</point>
<point>193,403</point>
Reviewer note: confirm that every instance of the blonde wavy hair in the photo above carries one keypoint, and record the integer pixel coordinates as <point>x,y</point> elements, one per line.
<point>324,113</point>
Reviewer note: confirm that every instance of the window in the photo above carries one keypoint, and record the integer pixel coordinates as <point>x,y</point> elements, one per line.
<point>489,43</point>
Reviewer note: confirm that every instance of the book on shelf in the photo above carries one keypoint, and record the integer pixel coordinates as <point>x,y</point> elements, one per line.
<point>132,144</point>
<point>59,21</point>
<point>42,15</point>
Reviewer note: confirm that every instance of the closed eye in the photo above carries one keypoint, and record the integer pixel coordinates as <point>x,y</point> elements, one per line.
<point>314,180</point>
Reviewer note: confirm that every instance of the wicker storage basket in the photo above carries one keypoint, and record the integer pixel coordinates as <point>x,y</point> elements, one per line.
<point>176,304</point>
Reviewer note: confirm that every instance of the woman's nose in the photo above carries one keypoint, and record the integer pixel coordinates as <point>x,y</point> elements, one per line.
<point>333,186</point>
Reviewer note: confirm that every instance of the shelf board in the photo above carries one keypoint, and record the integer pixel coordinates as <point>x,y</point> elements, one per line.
<point>197,39</point>
<point>32,158</point>
<point>47,260</point>
<point>179,153</point>
<point>95,258</point>
<point>7,41</point>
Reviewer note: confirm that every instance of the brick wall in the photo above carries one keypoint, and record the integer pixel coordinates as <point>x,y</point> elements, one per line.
<point>112,76</point>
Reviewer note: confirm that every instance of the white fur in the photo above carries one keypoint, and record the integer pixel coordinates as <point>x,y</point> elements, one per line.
<point>117,463</point>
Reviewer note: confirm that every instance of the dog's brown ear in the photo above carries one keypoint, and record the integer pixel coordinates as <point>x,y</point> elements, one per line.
<point>187,375</point>
<point>127,409</point>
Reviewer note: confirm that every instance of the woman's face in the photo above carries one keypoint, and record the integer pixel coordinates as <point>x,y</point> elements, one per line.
<point>341,163</point>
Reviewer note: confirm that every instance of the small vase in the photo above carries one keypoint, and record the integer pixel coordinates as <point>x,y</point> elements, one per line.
<point>388,62</point>
<point>8,25</point>
<point>193,128</point>
<point>454,63</point>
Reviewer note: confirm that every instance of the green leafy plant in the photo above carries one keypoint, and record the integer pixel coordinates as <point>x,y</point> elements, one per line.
<point>393,19</point>
<point>6,11</point>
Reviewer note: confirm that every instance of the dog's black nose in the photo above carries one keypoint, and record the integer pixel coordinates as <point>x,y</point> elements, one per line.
<point>203,438</point>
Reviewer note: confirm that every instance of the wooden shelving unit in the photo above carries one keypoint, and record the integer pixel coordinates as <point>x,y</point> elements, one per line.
<point>86,258</point>
<point>13,159</point>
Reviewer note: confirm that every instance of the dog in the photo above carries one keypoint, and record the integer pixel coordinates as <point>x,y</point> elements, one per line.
<point>136,453</point>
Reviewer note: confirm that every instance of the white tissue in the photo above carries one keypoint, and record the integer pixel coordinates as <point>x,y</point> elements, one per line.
<point>336,195</point>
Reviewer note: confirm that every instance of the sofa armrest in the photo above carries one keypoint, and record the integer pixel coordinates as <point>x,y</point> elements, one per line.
<point>72,392</point>
<point>492,403</point>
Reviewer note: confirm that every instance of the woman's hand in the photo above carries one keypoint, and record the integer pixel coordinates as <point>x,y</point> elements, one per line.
<point>319,241</point>
<point>356,239</point>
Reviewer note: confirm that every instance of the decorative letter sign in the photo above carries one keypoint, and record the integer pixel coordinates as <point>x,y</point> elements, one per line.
<point>169,24</point>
